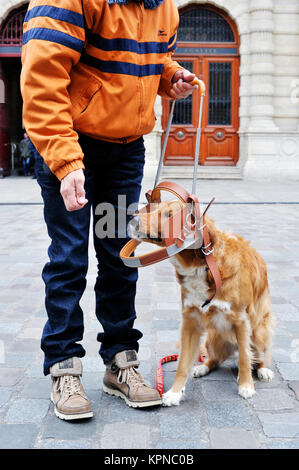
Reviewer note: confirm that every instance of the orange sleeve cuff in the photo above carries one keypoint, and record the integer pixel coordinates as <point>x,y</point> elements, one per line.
<point>64,170</point>
<point>165,82</point>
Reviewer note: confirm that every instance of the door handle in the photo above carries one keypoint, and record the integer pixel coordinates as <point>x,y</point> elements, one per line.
<point>180,134</point>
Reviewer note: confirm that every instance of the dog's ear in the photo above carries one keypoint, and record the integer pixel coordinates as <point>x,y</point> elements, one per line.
<point>212,234</point>
<point>212,230</point>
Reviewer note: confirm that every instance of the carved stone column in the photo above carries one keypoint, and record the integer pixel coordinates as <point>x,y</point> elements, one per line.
<point>4,127</point>
<point>261,66</point>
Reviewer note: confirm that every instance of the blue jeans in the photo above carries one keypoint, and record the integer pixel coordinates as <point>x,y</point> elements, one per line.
<point>26,165</point>
<point>110,170</point>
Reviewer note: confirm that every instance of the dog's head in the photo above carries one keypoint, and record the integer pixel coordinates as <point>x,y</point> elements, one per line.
<point>153,224</point>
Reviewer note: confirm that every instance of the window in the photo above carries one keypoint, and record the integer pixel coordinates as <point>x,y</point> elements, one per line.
<point>11,31</point>
<point>220,93</point>
<point>204,25</point>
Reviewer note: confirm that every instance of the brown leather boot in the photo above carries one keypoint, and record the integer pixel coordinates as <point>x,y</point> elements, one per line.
<point>67,394</point>
<point>123,380</point>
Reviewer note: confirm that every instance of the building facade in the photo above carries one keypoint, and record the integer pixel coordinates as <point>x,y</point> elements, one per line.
<point>246,51</point>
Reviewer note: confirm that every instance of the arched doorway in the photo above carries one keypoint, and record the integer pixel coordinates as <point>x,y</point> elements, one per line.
<point>11,126</point>
<point>208,45</point>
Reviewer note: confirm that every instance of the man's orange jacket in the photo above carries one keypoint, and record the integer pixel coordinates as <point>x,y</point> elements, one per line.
<point>96,69</point>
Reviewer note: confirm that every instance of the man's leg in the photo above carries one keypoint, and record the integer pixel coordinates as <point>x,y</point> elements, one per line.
<point>64,277</point>
<point>65,273</point>
<point>116,283</point>
<point>119,170</point>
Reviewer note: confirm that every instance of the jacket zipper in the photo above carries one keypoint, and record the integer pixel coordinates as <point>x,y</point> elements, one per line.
<point>140,31</point>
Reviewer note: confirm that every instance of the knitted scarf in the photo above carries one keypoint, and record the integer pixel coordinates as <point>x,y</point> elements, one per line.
<point>151,4</point>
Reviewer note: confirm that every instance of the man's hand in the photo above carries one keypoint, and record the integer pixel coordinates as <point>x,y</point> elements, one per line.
<point>72,190</point>
<point>181,88</point>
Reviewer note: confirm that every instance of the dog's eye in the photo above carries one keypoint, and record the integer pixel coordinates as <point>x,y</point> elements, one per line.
<point>167,215</point>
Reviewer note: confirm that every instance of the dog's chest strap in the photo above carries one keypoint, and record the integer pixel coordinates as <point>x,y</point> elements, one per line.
<point>207,251</point>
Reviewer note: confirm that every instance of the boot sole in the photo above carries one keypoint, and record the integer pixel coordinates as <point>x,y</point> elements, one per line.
<point>133,404</point>
<point>70,417</point>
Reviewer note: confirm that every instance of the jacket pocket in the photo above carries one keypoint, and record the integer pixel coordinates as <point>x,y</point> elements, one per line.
<point>81,99</point>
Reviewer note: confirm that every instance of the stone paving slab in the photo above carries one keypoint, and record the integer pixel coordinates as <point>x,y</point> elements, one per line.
<point>294,386</point>
<point>27,410</point>
<point>212,414</point>
<point>18,436</point>
<point>227,438</point>
<point>273,399</point>
<point>280,424</point>
<point>227,414</point>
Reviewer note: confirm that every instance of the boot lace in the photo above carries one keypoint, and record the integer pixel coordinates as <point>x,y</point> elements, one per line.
<point>69,385</point>
<point>132,376</point>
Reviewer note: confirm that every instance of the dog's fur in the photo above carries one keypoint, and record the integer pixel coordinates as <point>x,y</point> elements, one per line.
<point>239,317</point>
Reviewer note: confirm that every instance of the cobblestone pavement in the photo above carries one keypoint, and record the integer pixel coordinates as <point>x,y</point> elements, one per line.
<point>212,414</point>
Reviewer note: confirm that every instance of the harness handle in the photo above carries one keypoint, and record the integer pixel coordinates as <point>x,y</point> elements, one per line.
<point>200,84</point>
<point>202,89</point>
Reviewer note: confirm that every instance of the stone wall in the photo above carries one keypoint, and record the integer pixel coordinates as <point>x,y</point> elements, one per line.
<point>6,6</point>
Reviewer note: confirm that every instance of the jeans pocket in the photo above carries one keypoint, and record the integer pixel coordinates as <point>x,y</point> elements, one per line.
<point>46,170</point>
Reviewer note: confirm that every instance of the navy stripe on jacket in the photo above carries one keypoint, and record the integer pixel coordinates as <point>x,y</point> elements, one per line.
<point>124,68</point>
<point>128,45</point>
<point>56,13</point>
<point>172,48</point>
<point>171,39</point>
<point>52,35</point>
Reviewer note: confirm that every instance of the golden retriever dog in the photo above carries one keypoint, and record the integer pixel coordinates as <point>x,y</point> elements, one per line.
<point>239,316</point>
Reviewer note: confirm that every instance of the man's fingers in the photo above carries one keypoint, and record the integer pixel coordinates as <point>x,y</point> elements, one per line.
<point>184,75</point>
<point>188,76</point>
<point>80,192</point>
<point>69,198</point>
<point>183,90</point>
<point>72,190</point>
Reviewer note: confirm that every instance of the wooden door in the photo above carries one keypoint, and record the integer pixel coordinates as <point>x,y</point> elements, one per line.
<point>217,64</point>
<point>220,143</point>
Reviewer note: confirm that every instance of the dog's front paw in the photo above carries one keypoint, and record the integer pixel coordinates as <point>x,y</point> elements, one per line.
<point>200,371</point>
<point>172,398</point>
<point>246,391</point>
<point>264,374</point>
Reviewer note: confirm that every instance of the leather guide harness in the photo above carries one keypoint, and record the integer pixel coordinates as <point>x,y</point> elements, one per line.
<point>186,228</point>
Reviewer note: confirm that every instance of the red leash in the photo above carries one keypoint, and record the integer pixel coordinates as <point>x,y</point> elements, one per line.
<point>159,374</point>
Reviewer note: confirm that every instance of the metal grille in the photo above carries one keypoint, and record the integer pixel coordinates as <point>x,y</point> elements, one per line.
<point>203,25</point>
<point>183,108</point>
<point>220,93</point>
<point>12,30</point>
